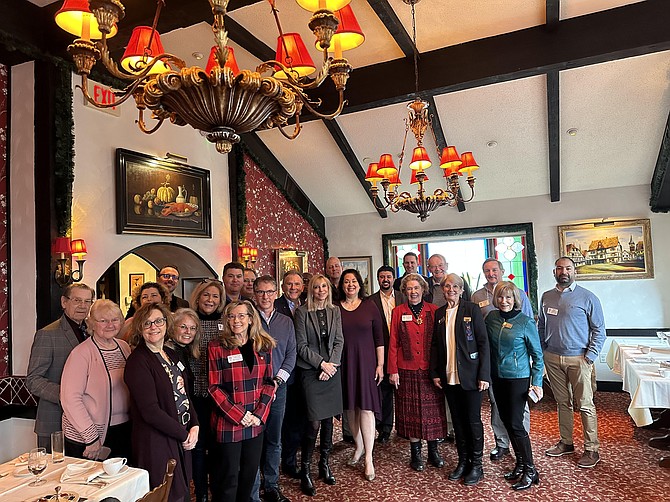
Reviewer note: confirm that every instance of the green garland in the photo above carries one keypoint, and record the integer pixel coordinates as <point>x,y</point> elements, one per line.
<point>240,150</point>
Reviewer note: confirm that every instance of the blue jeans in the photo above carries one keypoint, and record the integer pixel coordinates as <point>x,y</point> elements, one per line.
<point>271,445</point>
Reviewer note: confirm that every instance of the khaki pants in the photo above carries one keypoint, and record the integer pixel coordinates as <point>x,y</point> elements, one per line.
<point>571,379</point>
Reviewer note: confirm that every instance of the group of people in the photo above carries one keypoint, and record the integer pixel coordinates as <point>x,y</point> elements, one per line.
<point>239,381</point>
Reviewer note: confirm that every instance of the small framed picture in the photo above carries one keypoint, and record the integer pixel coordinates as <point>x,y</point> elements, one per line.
<point>134,282</point>
<point>290,259</point>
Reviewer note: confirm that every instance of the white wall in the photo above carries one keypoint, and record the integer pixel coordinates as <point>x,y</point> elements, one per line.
<point>627,304</point>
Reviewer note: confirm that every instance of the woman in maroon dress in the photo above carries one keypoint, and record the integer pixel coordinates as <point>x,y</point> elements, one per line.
<point>362,364</point>
<point>420,412</point>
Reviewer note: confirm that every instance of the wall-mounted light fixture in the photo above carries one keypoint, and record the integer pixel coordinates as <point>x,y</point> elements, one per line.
<point>63,248</point>
<point>248,254</point>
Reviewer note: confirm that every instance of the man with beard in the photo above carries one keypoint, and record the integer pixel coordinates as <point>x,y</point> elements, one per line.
<point>386,300</point>
<point>571,325</point>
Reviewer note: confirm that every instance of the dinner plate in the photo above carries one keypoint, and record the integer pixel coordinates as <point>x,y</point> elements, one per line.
<point>22,472</point>
<point>123,470</point>
<point>63,497</point>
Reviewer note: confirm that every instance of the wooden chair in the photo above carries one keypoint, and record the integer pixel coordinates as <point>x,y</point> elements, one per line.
<point>162,491</point>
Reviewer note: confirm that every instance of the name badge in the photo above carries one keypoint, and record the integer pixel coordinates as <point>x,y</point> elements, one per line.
<point>180,366</point>
<point>406,317</point>
<point>235,358</point>
<point>484,303</point>
<point>467,319</point>
<point>220,327</point>
<point>552,311</point>
<point>507,325</point>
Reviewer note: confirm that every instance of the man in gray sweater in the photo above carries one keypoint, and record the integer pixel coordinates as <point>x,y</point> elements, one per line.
<point>572,331</point>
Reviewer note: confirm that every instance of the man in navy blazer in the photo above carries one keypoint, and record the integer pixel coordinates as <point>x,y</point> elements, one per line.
<point>292,288</point>
<point>51,347</point>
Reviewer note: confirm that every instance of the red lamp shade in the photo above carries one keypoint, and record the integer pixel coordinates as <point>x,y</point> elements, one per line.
<point>78,248</point>
<point>414,180</point>
<point>314,5</point>
<point>386,166</point>
<point>450,161</point>
<point>292,53</point>
<point>349,34</point>
<point>76,18</point>
<point>394,180</point>
<point>372,175</point>
<point>254,253</point>
<point>420,159</point>
<point>134,60</point>
<point>469,163</point>
<point>61,246</point>
<point>231,62</point>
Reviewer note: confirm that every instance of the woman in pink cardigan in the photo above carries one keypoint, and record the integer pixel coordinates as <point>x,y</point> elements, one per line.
<point>94,396</point>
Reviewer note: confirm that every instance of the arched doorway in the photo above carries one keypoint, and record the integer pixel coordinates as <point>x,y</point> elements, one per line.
<point>143,263</point>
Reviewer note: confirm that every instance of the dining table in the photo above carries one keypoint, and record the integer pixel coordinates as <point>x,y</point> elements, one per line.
<point>128,485</point>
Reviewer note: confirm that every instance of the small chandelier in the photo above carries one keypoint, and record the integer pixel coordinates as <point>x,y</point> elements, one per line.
<point>453,164</point>
<point>221,102</point>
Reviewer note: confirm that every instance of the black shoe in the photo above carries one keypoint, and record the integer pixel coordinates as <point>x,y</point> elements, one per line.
<point>275,495</point>
<point>348,439</point>
<point>461,469</point>
<point>291,471</point>
<point>306,483</point>
<point>473,477</point>
<point>325,473</point>
<point>416,462</point>
<point>498,453</point>
<point>450,438</point>
<point>434,457</point>
<point>529,478</point>
<point>383,437</point>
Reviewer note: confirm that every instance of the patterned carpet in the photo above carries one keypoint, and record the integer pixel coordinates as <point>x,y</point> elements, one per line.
<point>628,469</point>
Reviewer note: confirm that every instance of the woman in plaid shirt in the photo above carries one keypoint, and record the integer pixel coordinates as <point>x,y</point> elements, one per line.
<point>241,385</point>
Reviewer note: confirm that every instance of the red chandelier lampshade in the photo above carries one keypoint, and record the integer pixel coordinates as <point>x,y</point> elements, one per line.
<point>394,180</point>
<point>386,166</point>
<point>414,180</point>
<point>373,175</point>
<point>450,161</point>
<point>469,163</point>
<point>314,5</point>
<point>142,49</point>
<point>292,53</point>
<point>76,18</point>
<point>231,62</point>
<point>61,246</point>
<point>78,248</point>
<point>348,35</point>
<point>420,159</point>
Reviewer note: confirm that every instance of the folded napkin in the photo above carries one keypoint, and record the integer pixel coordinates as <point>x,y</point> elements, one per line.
<point>81,473</point>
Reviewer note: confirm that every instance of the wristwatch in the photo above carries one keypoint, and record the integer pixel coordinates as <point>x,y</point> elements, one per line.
<point>279,381</point>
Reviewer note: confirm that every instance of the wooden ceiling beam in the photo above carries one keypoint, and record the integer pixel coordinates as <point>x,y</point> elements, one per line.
<point>387,15</point>
<point>553,131</point>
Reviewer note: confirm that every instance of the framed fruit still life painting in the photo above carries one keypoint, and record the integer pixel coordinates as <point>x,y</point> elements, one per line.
<point>161,196</point>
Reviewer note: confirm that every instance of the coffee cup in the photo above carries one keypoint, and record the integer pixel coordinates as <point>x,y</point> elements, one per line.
<point>644,349</point>
<point>112,466</point>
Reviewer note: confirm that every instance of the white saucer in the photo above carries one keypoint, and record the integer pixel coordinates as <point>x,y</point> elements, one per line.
<point>113,476</point>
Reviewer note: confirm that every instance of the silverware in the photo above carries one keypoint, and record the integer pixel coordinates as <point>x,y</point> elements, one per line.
<point>99,484</point>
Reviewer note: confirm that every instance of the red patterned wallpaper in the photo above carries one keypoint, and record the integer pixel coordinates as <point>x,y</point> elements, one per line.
<point>273,223</point>
<point>4,295</point>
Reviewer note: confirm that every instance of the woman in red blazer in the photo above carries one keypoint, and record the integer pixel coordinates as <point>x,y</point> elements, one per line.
<point>241,385</point>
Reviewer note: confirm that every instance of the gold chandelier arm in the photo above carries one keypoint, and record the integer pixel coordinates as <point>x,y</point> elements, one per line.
<point>296,130</point>
<point>291,80</point>
<point>330,116</point>
<point>123,95</point>
<point>142,125</point>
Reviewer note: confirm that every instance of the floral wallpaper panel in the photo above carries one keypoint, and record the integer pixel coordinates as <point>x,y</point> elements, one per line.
<point>4,295</point>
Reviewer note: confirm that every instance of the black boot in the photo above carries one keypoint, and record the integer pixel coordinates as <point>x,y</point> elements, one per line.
<point>515,473</point>
<point>306,483</point>
<point>326,447</point>
<point>417,462</point>
<point>530,475</point>
<point>476,473</point>
<point>463,462</point>
<point>434,457</point>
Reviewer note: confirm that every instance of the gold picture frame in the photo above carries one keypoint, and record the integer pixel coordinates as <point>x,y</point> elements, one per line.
<point>290,259</point>
<point>609,249</point>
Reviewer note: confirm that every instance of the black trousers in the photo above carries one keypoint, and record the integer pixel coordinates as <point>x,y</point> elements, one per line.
<point>117,440</point>
<point>466,414</point>
<point>203,409</point>
<point>295,420</point>
<point>511,395</point>
<point>387,390</point>
<point>234,468</point>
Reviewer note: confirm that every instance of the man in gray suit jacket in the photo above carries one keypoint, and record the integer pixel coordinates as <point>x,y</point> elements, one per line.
<point>51,347</point>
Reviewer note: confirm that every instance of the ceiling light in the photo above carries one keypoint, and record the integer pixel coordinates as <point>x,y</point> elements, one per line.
<point>492,144</point>
<point>385,172</point>
<point>572,131</point>
<point>221,102</point>
<point>197,55</point>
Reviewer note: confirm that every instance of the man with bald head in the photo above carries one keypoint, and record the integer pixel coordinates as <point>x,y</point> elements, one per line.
<point>333,272</point>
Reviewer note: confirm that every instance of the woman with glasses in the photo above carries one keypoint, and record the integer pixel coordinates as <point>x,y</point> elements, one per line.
<point>93,394</point>
<point>207,300</point>
<point>164,425</point>
<point>319,342</point>
<point>242,387</point>
<point>185,339</point>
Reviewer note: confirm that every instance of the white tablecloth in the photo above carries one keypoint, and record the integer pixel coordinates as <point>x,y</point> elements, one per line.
<point>127,487</point>
<point>641,379</point>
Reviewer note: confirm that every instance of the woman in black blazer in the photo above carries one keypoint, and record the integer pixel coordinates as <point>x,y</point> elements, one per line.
<point>460,365</point>
<point>319,342</point>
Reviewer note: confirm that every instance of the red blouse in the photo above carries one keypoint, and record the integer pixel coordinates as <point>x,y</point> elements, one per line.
<point>409,344</point>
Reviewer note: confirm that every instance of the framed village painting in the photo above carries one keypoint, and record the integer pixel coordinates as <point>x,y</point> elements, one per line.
<point>364,265</point>
<point>609,250</point>
<point>290,259</point>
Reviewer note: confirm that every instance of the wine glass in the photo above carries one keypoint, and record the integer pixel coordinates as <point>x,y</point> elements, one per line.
<point>37,463</point>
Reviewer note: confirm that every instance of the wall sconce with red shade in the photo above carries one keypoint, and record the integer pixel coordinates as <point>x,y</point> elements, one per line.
<point>248,254</point>
<point>63,248</point>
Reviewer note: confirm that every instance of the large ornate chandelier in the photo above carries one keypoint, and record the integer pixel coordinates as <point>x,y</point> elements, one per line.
<point>223,102</point>
<point>453,164</point>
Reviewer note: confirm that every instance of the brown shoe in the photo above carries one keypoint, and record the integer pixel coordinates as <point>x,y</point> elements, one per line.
<point>589,459</point>
<point>560,449</point>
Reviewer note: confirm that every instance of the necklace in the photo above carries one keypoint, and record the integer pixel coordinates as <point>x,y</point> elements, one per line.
<point>417,315</point>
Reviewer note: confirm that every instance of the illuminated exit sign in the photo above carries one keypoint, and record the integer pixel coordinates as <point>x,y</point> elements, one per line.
<point>102,95</point>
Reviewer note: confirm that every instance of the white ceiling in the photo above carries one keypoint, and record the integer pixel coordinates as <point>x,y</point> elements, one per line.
<point>618,108</point>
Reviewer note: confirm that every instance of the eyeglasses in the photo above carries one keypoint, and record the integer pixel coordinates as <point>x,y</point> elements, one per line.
<point>105,322</point>
<point>169,276</point>
<point>241,317</point>
<point>192,329</point>
<point>80,301</point>
<point>266,293</point>
<point>158,323</point>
